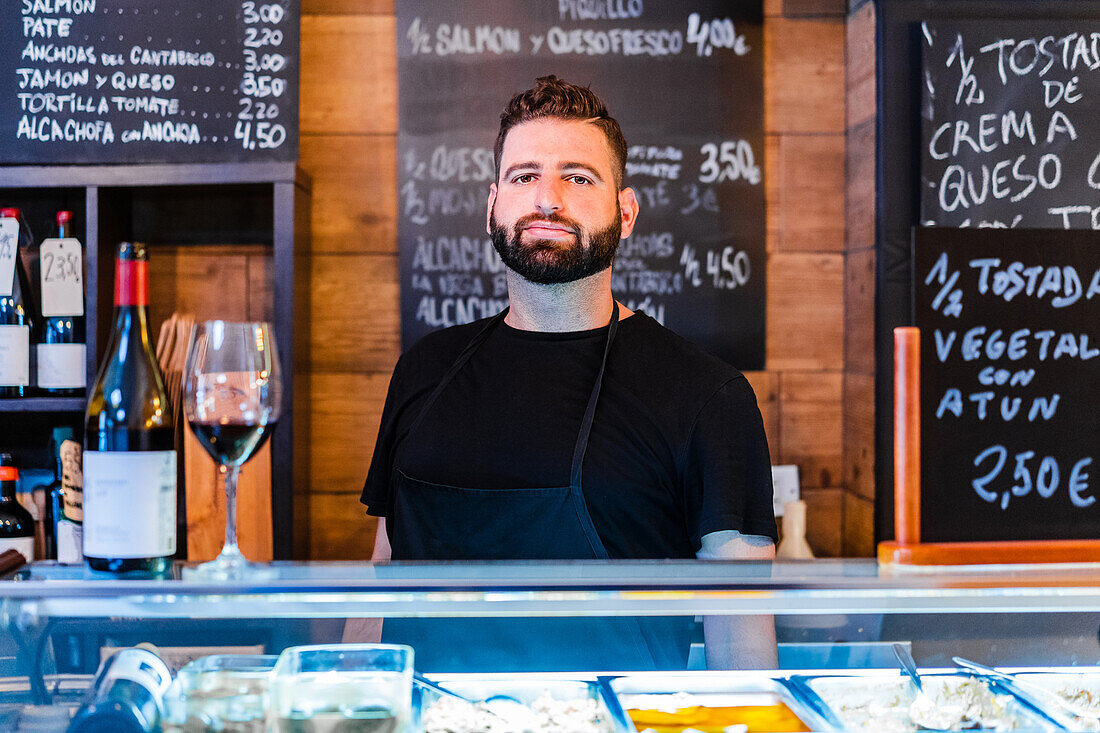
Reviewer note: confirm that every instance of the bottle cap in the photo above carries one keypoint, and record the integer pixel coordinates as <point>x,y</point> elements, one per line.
<point>10,213</point>
<point>64,216</point>
<point>132,251</point>
<point>9,473</point>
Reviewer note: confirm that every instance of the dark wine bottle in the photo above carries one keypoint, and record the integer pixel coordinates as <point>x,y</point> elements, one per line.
<point>61,350</point>
<point>16,311</point>
<point>16,523</point>
<point>129,440</point>
<point>55,494</point>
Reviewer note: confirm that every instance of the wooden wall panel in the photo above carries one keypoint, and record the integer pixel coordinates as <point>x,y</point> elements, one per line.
<point>349,75</point>
<point>771,192</point>
<point>805,312</point>
<point>355,199</point>
<point>766,387</point>
<point>859,283</point>
<point>860,187</point>
<point>859,526</point>
<point>860,65</point>
<point>859,312</point>
<point>859,434</point>
<point>810,205</point>
<point>804,75</point>
<point>824,518</point>
<point>348,7</point>
<point>355,313</point>
<point>341,528</point>
<point>261,291</point>
<point>347,409</point>
<point>810,426</point>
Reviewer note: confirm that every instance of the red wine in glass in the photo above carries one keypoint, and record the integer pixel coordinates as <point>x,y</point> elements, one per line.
<point>231,442</point>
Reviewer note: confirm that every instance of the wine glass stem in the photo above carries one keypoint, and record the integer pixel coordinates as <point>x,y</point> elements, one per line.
<point>230,473</point>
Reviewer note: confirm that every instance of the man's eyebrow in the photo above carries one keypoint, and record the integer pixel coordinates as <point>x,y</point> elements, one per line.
<point>584,167</point>
<point>529,165</point>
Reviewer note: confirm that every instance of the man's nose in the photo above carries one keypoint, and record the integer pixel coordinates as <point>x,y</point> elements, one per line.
<point>548,196</point>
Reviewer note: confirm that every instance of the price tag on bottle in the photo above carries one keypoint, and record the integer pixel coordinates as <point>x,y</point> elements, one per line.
<point>61,262</point>
<point>9,248</point>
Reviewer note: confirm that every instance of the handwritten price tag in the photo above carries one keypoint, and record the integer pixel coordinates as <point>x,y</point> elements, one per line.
<point>61,263</point>
<point>9,241</point>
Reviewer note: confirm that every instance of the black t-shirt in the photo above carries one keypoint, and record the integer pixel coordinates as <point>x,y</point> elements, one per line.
<point>677,447</point>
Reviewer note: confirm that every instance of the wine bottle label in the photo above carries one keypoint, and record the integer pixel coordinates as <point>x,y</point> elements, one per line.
<point>22,545</point>
<point>129,504</point>
<point>15,351</point>
<point>61,366</point>
<point>61,264</point>
<point>9,250</point>
<point>70,542</point>
<point>72,480</point>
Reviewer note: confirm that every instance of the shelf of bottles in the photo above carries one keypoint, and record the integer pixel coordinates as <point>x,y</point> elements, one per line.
<point>174,206</point>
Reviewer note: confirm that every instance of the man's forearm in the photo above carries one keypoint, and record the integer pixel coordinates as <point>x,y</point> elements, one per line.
<point>739,642</point>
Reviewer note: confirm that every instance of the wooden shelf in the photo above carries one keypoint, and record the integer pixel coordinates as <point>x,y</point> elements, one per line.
<point>43,404</point>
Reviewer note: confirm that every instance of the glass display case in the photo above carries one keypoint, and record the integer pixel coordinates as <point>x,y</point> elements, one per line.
<point>831,617</point>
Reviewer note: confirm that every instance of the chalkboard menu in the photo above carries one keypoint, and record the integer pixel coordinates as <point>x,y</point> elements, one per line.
<point>684,80</point>
<point>1010,383</point>
<point>1009,133</point>
<point>130,81</point>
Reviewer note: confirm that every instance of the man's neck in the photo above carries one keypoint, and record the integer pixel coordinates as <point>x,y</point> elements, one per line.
<point>577,306</point>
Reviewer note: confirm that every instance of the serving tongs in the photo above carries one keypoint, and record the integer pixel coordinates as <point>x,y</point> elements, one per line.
<point>1029,688</point>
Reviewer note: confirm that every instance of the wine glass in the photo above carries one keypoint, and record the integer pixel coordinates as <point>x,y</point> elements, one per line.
<point>231,397</point>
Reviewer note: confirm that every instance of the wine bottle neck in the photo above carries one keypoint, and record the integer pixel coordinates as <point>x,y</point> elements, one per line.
<point>131,283</point>
<point>133,320</point>
<point>7,490</point>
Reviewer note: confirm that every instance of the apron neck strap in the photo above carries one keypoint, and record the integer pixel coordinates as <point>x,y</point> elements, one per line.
<point>590,413</point>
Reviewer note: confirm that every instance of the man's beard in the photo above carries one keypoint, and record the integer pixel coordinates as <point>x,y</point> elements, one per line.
<point>550,262</point>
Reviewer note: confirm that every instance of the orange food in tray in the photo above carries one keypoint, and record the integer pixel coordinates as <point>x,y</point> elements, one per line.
<point>777,718</point>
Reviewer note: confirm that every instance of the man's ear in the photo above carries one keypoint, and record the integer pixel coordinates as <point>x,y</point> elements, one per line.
<point>628,210</point>
<point>489,207</point>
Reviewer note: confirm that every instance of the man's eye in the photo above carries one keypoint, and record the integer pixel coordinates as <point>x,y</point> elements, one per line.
<point>580,180</point>
<point>523,178</point>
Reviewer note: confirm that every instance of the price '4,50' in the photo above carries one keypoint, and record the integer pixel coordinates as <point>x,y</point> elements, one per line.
<point>265,135</point>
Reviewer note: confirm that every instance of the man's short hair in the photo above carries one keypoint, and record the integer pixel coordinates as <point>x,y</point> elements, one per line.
<point>554,98</point>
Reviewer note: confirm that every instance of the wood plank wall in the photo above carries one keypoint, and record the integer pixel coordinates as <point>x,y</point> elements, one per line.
<point>859,285</point>
<point>348,145</point>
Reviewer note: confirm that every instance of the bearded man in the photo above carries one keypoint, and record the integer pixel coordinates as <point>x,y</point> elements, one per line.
<point>569,427</point>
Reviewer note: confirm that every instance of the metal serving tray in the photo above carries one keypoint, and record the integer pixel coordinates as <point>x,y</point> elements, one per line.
<point>1061,683</point>
<point>713,688</point>
<point>887,716</point>
<point>526,688</point>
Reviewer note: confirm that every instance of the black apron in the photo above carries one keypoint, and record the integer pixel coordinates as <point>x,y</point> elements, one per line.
<point>439,522</point>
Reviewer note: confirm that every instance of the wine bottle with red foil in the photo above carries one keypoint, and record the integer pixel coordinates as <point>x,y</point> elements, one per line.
<point>61,350</point>
<point>16,311</point>
<point>129,445</point>
<point>16,523</point>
